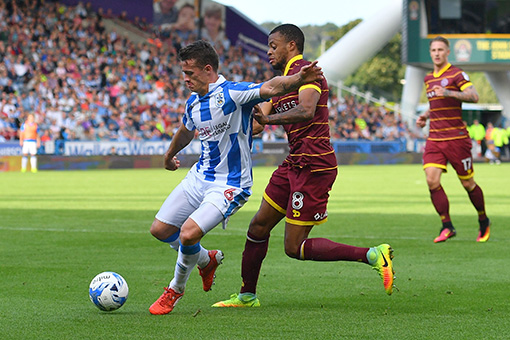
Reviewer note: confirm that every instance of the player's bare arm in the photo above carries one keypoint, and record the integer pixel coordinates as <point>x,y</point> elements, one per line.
<point>182,138</point>
<point>280,85</point>
<point>305,110</point>
<point>469,94</point>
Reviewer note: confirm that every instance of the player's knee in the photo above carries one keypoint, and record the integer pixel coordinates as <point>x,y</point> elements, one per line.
<point>433,183</point>
<point>256,221</point>
<point>258,231</point>
<point>468,185</point>
<point>292,251</point>
<point>185,238</point>
<point>190,236</point>
<point>157,230</point>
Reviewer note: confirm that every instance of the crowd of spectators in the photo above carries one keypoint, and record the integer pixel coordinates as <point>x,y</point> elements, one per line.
<point>83,82</point>
<point>352,119</point>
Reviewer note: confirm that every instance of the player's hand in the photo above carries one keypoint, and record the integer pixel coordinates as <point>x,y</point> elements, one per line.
<point>260,117</point>
<point>439,91</point>
<point>311,73</point>
<point>172,163</point>
<point>421,121</point>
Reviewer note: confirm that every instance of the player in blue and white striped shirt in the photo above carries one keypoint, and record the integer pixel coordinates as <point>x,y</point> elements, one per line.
<point>220,111</point>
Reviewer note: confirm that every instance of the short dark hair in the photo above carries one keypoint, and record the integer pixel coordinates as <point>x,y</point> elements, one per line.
<point>202,52</point>
<point>291,33</point>
<point>441,39</point>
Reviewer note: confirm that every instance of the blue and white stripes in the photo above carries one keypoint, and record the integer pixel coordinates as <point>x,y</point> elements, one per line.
<point>222,119</point>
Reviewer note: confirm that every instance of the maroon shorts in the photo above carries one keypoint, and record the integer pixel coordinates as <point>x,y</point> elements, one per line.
<point>457,152</point>
<point>300,194</point>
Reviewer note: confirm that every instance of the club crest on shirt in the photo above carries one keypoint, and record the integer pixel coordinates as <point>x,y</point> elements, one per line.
<point>444,82</point>
<point>219,99</point>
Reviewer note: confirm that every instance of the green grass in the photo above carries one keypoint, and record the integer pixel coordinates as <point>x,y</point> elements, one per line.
<point>59,229</point>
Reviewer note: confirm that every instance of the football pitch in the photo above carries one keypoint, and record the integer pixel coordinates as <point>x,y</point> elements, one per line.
<point>59,229</point>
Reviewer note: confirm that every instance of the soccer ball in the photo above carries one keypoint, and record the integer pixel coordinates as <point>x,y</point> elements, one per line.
<point>108,291</point>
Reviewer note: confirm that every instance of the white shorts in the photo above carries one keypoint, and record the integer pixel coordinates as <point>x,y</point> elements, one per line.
<point>29,147</point>
<point>207,203</point>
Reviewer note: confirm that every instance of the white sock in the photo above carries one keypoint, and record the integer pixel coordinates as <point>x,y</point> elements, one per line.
<point>24,161</point>
<point>203,254</point>
<point>186,262</point>
<point>33,162</point>
<point>174,245</point>
<point>203,257</point>
<point>173,241</point>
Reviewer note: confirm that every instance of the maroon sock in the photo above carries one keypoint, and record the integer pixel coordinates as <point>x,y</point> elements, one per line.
<point>255,251</point>
<point>440,202</point>
<point>476,197</point>
<point>322,249</point>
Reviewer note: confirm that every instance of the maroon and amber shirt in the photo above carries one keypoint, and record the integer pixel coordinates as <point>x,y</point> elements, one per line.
<point>309,141</point>
<point>446,113</point>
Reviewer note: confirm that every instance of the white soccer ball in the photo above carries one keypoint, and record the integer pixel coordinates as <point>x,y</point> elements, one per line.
<point>108,291</point>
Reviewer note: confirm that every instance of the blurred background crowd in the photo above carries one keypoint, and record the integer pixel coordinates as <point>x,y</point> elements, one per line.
<point>84,82</point>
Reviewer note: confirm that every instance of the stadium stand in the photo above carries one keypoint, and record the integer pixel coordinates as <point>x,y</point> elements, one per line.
<point>88,75</point>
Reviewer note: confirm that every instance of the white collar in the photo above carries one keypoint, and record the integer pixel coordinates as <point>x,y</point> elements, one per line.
<point>213,86</point>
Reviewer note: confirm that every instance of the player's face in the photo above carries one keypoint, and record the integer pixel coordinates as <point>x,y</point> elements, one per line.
<point>196,78</point>
<point>439,52</point>
<point>277,51</point>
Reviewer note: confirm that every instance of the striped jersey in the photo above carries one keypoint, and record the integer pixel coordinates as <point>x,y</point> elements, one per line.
<point>223,120</point>
<point>309,141</point>
<point>29,132</point>
<point>445,112</point>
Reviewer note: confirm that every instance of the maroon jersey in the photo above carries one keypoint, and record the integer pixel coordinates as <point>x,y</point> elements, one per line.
<point>309,141</point>
<point>446,113</point>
